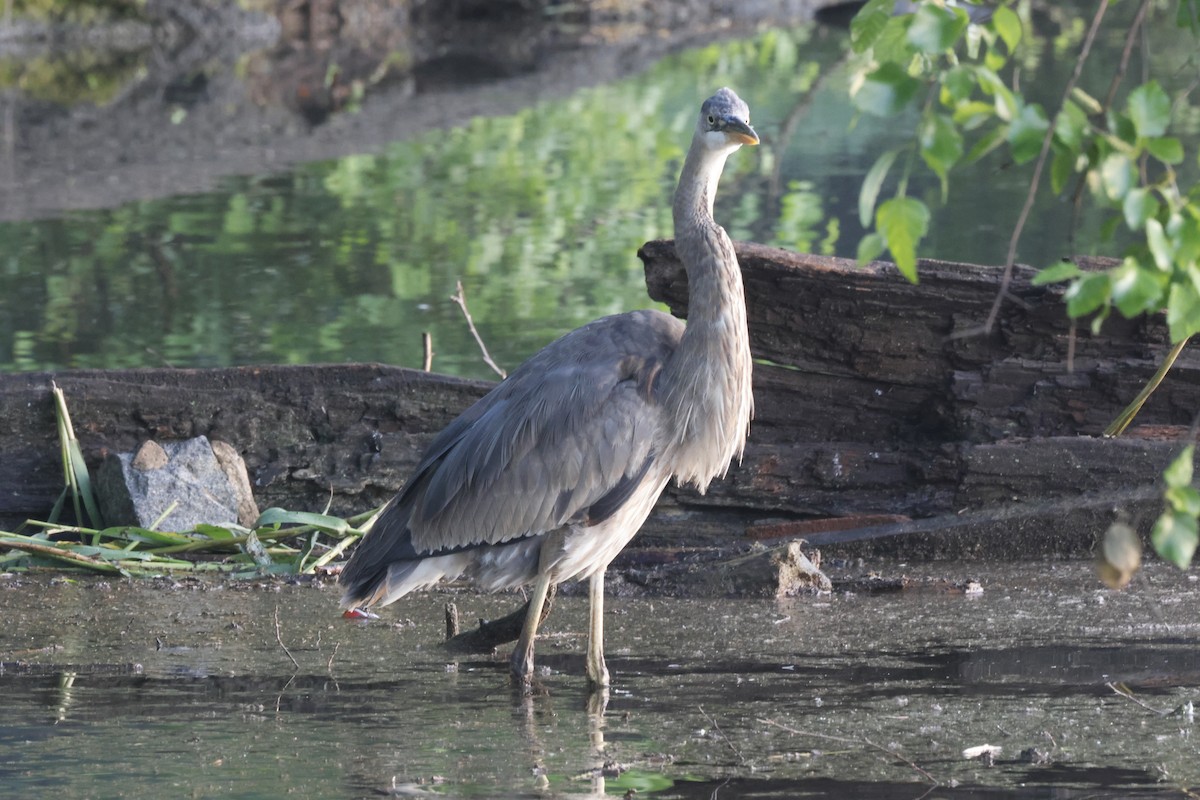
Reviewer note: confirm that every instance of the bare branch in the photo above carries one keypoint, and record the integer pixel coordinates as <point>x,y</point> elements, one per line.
<point>862,741</point>
<point>460,300</point>
<point>1011,259</point>
<point>427,343</point>
<point>1130,37</point>
<point>279,639</point>
<point>721,733</point>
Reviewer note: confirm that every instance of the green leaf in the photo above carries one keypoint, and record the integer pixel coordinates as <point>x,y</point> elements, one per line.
<point>215,532</point>
<point>903,222</point>
<point>990,83</point>
<point>279,516</point>
<point>1179,472</point>
<point>934,29</point>
<point>1117,175</point>
<point>1185,235</point>
<point>1007,24</point>
<point>869,22</point>
<point>1184,499</point>
<point>1150,109</point>
<point>957,85</point>
<point>1027,131</point>
<point>1138,207</point>
<point>1188,16</point>
<point>885,91</point>
<point>941,145</point>
<point>987,143</point>
<point>1134,289</point>
<point>1166,149</point>
<point>973,113</point>
<point>1160,245</point>
<point>1088,293</point>
<point>1071,126</point>
<point>994,60</point>
<point>1183,311</point>
<point>1122,127</point>
<point>1062,271</point>
<point>1174,537</point>
<point>1062,167</point>
<point>871,185</point>
<point>870,247</point>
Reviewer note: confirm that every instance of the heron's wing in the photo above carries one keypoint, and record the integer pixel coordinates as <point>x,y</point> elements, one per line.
<point>565,439</point>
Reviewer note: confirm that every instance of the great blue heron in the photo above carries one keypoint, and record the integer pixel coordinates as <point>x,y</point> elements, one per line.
<point>549,475</point>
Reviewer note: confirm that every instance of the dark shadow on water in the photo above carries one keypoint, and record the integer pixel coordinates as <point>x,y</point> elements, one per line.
<point>1094,786</point>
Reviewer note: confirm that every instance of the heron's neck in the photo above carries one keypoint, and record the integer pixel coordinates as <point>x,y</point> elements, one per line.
<point>714,278</point>
<point>709,394</point>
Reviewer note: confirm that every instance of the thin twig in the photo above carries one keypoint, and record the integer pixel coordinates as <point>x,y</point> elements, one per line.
<point>1071,348</point>
<point>1118,425</point>
<point>844,740</point>
<point>1128,695</point>
<point>333,655</point>
<point>1011,259</point>
<point>279,638</point>
<point>60,554</point>
<point>724,738</point>
<point>1130,37</point>
<point>427,344</point>
<point>460,300</point>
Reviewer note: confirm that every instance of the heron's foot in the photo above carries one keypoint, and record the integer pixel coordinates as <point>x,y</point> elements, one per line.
<point>524,679</point>
<point>521,663</point>
<point>597,672</point>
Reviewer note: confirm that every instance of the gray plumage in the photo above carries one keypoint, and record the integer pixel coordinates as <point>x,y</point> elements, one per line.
<point>549,475</point>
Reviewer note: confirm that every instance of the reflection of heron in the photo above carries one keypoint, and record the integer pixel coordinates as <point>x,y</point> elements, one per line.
<point>553,472</point>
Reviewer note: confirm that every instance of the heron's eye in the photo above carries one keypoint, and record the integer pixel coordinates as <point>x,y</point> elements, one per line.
<point>712,120</point>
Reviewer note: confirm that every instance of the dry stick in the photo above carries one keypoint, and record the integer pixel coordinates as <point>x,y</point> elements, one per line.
<point>1119,76</point>
<point>1128,695</point>
<point>279,639</point>
<point>61,555</point>
<point>1118,425</point>
<point>844,740</point>
<point>1011,259</point>
<point>461,300</point>
<point>427,343</point>
<point>725,738</point>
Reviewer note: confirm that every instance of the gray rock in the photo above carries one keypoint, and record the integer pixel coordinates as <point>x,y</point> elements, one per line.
<point>139,488</point>
<point>235,470</point>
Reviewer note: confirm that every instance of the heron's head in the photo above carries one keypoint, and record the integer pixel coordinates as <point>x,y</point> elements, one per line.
<point>724,122</point>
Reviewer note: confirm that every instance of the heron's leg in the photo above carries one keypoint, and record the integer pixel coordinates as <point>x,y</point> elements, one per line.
<point>522,657</point>
<point>597,671</point>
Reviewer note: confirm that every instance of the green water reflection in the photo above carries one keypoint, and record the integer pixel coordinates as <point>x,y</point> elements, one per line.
<point>539,213</point>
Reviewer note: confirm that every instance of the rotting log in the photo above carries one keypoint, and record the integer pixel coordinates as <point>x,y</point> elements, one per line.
<point>308,434</point>
<point>868,402</point>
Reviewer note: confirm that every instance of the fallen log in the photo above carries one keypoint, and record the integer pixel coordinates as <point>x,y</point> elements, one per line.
<point>868,401</point>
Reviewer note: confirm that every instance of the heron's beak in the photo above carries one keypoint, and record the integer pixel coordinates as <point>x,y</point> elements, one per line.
<point>740,132</point>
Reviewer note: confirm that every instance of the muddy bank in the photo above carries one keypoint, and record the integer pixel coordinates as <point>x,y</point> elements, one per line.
<point>199,90</point>
<point>851,695</point>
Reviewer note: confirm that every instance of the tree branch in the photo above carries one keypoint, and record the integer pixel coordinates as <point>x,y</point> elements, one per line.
<point>460,299</point>
<point>1011,258</point>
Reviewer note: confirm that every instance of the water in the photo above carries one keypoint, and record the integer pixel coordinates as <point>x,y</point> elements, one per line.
<point>851,695</point>
<point>539,212</point>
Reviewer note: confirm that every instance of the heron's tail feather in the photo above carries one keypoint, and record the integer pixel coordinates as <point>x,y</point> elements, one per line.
<point>386,565</point>
<point>401,577</point>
